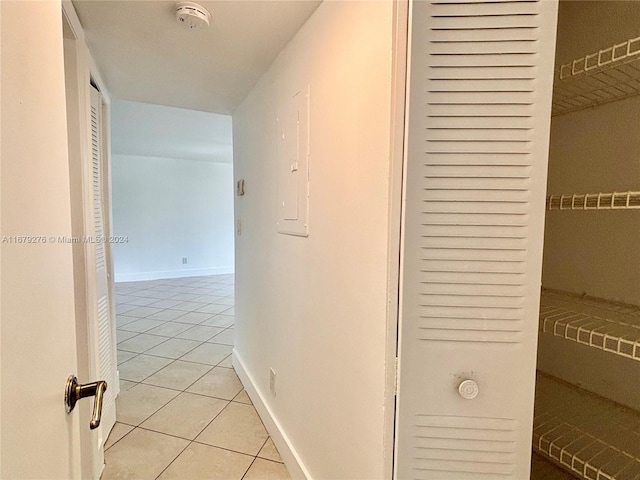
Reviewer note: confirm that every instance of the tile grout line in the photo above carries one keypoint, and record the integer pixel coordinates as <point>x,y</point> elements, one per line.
<point>173,360</point>
<point>211,368</point>
<point>145,352</point>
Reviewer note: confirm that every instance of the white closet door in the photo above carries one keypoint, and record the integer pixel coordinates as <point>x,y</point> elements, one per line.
<point>479,101</point>
<point>103,337</point>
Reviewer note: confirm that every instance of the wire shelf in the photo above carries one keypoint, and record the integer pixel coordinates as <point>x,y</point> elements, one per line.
<point>607,326</point>
<point>594,201</point>
<point>607,75</point>
<point>592,437</point>
<point>543,469</point>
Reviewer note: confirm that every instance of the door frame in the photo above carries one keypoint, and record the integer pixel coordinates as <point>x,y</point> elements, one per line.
<point>80,70</point>
<point>399,77</point>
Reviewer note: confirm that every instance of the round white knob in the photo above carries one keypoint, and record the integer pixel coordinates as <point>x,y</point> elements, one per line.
<point>468,389</point>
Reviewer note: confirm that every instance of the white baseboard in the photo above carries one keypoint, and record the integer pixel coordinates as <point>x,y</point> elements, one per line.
<point>282,442</point>
<point>194,272</point>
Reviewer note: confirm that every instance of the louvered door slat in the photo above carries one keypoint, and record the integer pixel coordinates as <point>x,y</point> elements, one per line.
<point>103,340</point>
<point>479,113</point>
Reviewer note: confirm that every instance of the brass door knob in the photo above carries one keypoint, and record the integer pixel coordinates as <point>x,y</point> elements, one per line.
<point>74,392</point>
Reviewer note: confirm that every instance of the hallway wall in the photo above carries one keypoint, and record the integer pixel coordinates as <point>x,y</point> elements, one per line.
<point>170,208</point>
<point>314,308</point>
<point>172,180</point>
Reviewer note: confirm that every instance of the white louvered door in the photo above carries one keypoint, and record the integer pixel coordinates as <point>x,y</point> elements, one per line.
<point>479,105</point>
<point>103,345</point>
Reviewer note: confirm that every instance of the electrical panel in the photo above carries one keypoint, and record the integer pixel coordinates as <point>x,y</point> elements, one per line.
<point>293,165</point>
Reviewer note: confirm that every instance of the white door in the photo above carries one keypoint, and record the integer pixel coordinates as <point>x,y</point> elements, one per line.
<point>103,343</point>
<point>37,319</point>
<point>478,125</point>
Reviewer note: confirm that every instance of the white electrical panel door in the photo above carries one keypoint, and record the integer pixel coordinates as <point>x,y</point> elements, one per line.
<point>479,104</point>
<point>293,165</point>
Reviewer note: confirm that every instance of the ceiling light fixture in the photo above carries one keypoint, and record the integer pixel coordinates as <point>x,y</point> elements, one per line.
<point>192,15</point>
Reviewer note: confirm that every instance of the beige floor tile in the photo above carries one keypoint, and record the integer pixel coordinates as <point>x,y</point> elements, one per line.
<point>178,375</point>
<point>122,308</point>
<point>142,312</point>
<point>200,462</point>
<point>118,431</point>
<point>209,353</point>
<point>213,308</point>
<point>153,294</point>
<point>123,319</point>
<point>141,343</point>
<point>140,301</point>
<point>227,362</point>
<point>169,329</point>
<point>226,338</point>
<point>141,366</point>
<point>200,332</point>
<point>122,335</point>
<point>141,325</point>
<point>170,314</point>
<point>173,348</point>
<point>242,397</point>
<point>185,416</point>
<point>189,306</point>
<point>165,303</point>
<point>219,382</point>
<point>214,299</point>
<point>141,455</point>
<point>182,287</point>
<point>223,321</point>
<point>230,302</point>
<point>186,297</point>
<point>126,385</point>
<point>207,298</point>
<point>267,470</point>
<point>125,356</point>
<point>237,428</point>
<point>140,402</point>
<point>193,318</point>
<point>270,452</point>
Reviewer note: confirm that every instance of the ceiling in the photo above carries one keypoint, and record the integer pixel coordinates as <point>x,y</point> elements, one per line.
<point>159,131</point>
<point>146,56</point>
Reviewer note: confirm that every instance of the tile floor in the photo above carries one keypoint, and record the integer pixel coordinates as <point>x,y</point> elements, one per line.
<point>182,412</point>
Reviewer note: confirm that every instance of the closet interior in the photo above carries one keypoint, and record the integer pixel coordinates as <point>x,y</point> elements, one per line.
<point>587,408</point>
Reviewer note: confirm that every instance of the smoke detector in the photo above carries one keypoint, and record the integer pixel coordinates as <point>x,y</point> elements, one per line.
<point>192,15</point>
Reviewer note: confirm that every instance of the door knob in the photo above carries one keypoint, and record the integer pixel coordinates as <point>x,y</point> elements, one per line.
<point>468,389</point>
<point>74,392</point>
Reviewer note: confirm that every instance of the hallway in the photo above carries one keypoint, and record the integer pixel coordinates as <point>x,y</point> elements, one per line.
<point>182,411</point>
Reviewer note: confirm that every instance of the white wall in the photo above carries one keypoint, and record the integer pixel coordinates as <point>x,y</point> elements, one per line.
<point>159,131</point>
<point>314,309</point>
<point>595,150</point>
<point>172,180</point>
<point>171,208</point>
